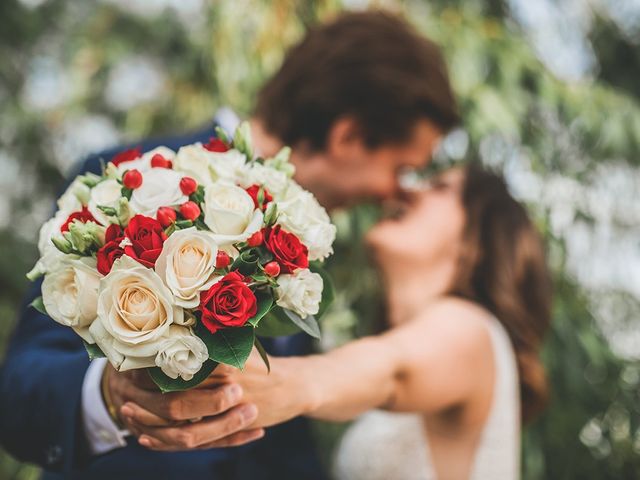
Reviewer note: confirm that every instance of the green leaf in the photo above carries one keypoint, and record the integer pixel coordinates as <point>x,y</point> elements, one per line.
<point>265,302</point>
<point>263,354</point>
<point>223,135</point>
<point>200,225</point>
<point>184,224</point>
<point>328,290</point>
<point>308,324</point>
<point>93,350</point>
<point>38,304</point>
<point>168,384</point>
<point>276,324</point>
<point>247,262</point>
<point>230,346</point>
<point>110,211</point>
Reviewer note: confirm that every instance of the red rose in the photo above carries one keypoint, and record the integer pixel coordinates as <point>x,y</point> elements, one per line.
<point>288,251</point>
<point>253,193</point>
<point>216,145</point>
<point>228,303</point>
<point>111,250</point>
<point>126,156</point>
<point>83,216</point>
<point>146,236</point>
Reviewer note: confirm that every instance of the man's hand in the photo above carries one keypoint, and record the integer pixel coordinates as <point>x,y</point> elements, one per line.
<point>208,417</point>
<point>280,395</point>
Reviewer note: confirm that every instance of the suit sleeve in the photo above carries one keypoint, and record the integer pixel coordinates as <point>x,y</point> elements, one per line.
<point>40,386</point>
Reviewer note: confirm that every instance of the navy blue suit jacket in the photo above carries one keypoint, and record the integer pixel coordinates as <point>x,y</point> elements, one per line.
<point>40,386</point>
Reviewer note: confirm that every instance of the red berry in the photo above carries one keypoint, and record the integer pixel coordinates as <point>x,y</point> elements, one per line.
<point>190,210</point>
<point>188,185</point>
<point>132,179</point>
<point>255,239</point>
<point>272,269</point>
<point>222,259</point>
<point>166,216</point>
<point>158,161</point>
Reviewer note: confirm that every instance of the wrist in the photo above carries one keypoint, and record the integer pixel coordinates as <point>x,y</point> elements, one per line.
<point>307,373</point>
<point>107,397</point>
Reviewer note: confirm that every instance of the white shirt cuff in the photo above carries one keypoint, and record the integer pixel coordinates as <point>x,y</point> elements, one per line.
<point>100,430</point>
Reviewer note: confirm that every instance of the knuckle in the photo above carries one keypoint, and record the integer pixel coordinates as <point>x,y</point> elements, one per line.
<point>186,439</point>
<point>174,409</point>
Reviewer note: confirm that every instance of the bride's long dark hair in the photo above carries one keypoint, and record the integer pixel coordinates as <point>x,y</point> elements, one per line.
<point>503,268</point>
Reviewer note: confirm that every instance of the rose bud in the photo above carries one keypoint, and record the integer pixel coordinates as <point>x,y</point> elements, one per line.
<point>216,145</point>
<point>132,179</point>
<point>190,210</point>
<point>158,161</point>
<point>188,185</point>
<point>255,239</point>
<point>272,269</point>
<point>222,259</point>
<point>166,216</point>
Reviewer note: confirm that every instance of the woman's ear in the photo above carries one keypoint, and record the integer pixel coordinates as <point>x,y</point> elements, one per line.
<point>345,141</point>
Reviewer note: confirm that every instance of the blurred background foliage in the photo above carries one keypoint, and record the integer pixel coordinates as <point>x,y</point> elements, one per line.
<point>549,91</point>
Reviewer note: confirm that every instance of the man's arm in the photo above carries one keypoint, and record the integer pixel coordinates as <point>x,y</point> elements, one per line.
<point>42,378</point>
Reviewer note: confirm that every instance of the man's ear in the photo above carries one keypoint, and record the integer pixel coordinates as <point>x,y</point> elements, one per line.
<point>345,140</point>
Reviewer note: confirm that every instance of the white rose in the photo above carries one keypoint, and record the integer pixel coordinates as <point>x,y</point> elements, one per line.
<point>160,188</point>
<point>135,311</point>
<point>49,254</point>
<point>207,167</point>
<point>300,292</point>
<point>230,213</point>
<point>143,164</point>
<point>301,214</point>
<point>105,194</point>
<point>70,293</point>
<point>273,180</point>
<point>75,197</point>
<point>181,353</point>
<point>187,264</point>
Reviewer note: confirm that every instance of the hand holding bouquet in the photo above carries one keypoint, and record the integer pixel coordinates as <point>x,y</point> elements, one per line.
<point>175,262</point>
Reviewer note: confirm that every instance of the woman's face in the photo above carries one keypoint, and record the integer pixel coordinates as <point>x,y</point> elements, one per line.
<point>429,229</point>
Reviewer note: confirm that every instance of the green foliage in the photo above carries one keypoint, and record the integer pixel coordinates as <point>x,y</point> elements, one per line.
<point>168,384</point>
<point>230,346</point>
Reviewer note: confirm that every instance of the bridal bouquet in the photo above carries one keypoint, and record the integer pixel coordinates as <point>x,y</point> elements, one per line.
<point>176,262</point>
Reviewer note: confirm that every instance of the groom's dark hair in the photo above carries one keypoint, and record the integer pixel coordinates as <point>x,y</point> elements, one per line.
<point>370,65</point>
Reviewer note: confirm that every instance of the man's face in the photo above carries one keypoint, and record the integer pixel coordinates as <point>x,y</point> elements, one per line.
<point>349,172</point>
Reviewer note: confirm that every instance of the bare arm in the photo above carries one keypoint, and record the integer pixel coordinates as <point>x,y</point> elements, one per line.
<point>439,360</point>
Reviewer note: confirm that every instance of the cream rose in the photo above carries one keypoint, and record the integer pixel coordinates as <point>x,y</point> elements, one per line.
<point>187,264</point>
<point>70,293</point>
<point>207,167</point>
<point>230,213</point>
<point>135,311</point>
<point>181,353</point>
<point>143,164</point>
<point>300,292</point>
<point>301,214</point>
<point>160,188</point>
<point>105,194</point>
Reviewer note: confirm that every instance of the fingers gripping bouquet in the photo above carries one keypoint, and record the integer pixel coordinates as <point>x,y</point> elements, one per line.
<point>176,262</point>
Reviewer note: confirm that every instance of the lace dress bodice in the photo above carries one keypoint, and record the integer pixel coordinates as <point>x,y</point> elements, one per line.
<point>384,445</point>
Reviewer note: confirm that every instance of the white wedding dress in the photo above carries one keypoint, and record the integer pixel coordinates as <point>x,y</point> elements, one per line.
<point>393,446</point>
